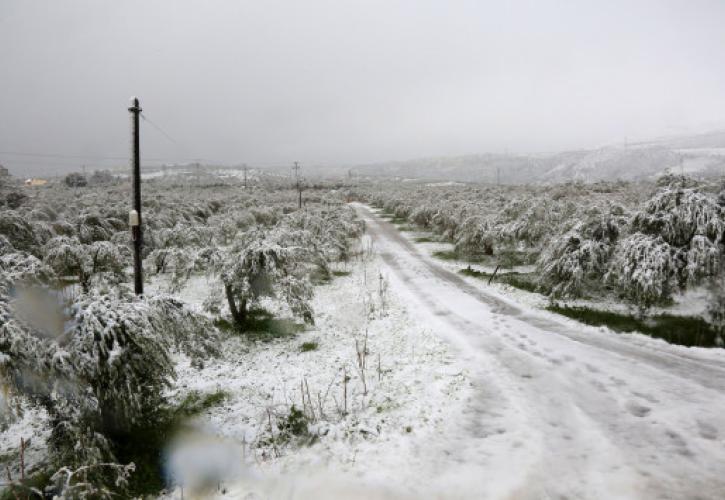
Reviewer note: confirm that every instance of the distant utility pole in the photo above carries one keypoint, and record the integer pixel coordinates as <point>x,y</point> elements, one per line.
<point>134,218</point>
<point>299,188</point>
<point>498,176</point>
<point>245,175</point>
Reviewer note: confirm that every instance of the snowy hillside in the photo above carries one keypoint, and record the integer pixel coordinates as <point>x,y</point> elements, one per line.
<point>698,155</point>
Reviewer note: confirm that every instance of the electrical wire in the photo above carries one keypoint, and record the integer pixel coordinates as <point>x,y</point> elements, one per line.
<point>159,129</point>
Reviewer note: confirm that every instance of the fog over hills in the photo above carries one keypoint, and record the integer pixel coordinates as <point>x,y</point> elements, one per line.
<point>699,155</point>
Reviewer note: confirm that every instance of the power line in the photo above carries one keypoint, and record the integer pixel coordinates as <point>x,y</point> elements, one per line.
<point>57,155</point>
<point>97,158</point>
<point>159,129</point>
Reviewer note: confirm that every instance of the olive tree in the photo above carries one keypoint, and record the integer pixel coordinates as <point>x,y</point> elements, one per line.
<point>261,266</point>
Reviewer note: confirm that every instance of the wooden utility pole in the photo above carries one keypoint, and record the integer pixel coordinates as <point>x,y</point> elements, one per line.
<point>245,175</point>
<point>135,214</point>
<point>299,188</point>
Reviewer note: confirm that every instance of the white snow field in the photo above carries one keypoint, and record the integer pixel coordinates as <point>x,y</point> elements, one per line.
<point>418,395</point>
<point>515,403</point>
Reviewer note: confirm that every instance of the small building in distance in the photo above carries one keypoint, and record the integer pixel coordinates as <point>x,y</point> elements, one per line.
<point>36,182</point>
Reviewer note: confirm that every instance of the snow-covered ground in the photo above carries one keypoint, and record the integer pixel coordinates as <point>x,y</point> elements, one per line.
<point>469,392</point>
<point>562,410</point>
<point>417,396</point>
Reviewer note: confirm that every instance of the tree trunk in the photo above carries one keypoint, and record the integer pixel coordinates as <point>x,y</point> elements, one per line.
<point>239,314</point>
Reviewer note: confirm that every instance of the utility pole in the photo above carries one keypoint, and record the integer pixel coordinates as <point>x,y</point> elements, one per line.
<point>134,217</point>
<point>244,166</point>
<point>498,176</point>
<point>299,189</point>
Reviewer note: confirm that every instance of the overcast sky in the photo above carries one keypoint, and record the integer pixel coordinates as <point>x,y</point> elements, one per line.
<point>345,82</point>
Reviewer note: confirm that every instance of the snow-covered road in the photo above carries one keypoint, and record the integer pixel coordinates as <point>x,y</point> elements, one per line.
<point>561,410</point>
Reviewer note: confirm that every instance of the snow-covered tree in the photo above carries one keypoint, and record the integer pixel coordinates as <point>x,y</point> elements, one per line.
<point>69,257</point>
<point>677,242</point>
<point>96,227</point>
<point>644,268</point>
<point>19,267</point>
<point>104,372</point>
<point>259,266</point>
<point>475,238</point>
<point>18,230</point>
<point>577,261</point>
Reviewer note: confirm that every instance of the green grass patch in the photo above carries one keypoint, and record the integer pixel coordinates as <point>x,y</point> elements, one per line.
<point>398,220</point>
<point>293,427</point>
<point>319,276</point>
<point>425,239</point>
<point>511,258</point>
<point>522,281</point>
<point>225,325</point>
<point>454,255</point>
<point>682,330</point>
<point>261,325</point>
<point>446,255</point>
<point>309,346</point>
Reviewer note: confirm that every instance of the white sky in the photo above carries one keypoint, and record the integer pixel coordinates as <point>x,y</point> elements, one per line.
<point>328,82</point>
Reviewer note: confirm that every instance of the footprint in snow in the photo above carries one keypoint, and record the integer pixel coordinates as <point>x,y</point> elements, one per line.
<point>707,431</point>
<point>647,397</point>
<point>679,443</point>
<point>637,409</point>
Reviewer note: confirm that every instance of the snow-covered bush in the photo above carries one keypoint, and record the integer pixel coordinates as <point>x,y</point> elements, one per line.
<point>475,238</point>
<point>5,245</point>
<point>677,242</point>
<point>95,227</point>
<point>19,267</point>
<point>644,269</point>
<point>18,230</point>
<point>259,266</point>
<point>577,261</point>
<point>69,257</point>
<point>104,372</point>
<point>678,215</point>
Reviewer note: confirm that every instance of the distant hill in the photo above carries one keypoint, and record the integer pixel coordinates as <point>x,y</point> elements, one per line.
<point>702,155</point>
